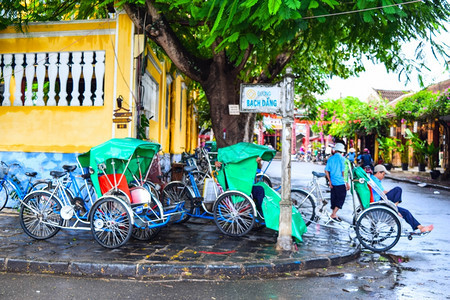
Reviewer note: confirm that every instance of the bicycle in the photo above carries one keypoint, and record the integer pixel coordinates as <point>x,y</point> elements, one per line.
<point>306,201</point>
<point>11,187</point>
<point>377,225</point>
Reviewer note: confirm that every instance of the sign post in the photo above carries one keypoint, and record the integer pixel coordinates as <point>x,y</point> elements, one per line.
<point>278,99</point>
<point>284,241</point>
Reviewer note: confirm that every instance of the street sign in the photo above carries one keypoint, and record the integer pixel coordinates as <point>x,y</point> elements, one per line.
<point>233,109</point>
<point>122,120</point>
<point>122,114</point>
<point>261,98</point>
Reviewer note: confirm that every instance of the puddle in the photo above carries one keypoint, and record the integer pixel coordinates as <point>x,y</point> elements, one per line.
<point>348,276</point>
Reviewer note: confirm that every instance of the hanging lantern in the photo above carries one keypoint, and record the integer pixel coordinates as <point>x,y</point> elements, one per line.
<point>392,131</point>
<point>415,126</point>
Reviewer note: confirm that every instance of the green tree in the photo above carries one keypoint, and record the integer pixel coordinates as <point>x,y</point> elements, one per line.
<point>221,44</point>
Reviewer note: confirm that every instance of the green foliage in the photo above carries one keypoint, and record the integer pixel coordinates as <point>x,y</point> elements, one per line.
<point>345,117</point>
<point>419,146</point>
<point>386,145</point>
<point>415,106</point>
<point>431,152</point>
<point>437,106</point>
<point>403,149</point>
<point>142,127</point>
<point>21,13</point>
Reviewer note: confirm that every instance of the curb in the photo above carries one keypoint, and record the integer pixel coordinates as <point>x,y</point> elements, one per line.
<point>437,186</point>
<point>166,271</point>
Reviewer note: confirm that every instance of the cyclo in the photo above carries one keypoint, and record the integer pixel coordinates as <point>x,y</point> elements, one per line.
<point>377,225</point>
<point>234,210</point>
<point>123,206</point>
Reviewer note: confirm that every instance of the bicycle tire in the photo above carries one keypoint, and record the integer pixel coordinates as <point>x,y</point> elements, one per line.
<point>173,194</point>
<point>264,178</point>
<point>111,223</point>
<point>378,229</point>
<point>3,195</point>
<point>234,213</point>
<point>40,215</point>
<point>305,205</point>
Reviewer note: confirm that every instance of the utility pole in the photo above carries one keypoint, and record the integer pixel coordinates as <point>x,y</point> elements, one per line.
<point>284,241</point>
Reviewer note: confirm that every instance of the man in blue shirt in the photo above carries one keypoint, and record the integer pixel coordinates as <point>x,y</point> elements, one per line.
<point>395,195</point>
<point>334,171</point>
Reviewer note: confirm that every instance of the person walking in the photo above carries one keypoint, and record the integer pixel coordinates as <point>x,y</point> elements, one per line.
<point>365,159</point>
<point>334,171</point>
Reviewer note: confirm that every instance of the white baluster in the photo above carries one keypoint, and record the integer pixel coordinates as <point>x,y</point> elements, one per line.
<point>76,71</point>
<point>99,76</point>
<point>63,77</point>
<point>7,72</point>
<point>29,76</point>
<point>87,75</point>
<point>18,75</point>
<point>52,73</point>
<point>40,74</point>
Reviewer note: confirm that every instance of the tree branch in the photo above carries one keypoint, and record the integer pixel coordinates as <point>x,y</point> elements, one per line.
<point>160,32</point>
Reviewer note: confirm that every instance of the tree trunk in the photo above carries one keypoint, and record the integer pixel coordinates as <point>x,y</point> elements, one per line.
<point>221,89</point>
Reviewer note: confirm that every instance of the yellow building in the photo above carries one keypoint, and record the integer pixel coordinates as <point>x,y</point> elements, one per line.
<point>68,86</point>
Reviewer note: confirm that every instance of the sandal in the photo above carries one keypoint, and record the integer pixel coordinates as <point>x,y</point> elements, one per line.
<point>337,219</point>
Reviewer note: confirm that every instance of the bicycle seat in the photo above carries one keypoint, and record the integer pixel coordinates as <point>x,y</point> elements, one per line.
<point>31,174</point>
<point>69,168</point>
<point>57,174</point>
<point>317,174</point>
<point>189,168</point>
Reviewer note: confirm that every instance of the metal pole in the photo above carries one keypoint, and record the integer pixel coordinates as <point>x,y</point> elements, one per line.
<point>284,241</point>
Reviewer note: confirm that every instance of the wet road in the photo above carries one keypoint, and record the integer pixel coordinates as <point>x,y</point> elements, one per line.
<point>422,264</point>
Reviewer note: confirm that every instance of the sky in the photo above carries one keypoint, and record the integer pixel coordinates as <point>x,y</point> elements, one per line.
<point>377,77</point>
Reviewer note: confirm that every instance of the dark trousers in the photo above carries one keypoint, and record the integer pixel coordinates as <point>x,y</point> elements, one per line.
<point>258,196</point>
<point>338,193</point>
<point>395,195</point>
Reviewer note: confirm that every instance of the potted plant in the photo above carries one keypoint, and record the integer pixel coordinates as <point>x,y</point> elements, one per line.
<point>431,150</point>
<point>386,145</point>
<point>403,149</point>
<point>419,147</point>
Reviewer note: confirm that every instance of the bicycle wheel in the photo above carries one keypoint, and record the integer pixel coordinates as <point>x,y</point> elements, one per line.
<point>199,178</point>
<point>39,185</point>
<point>40,215</point>
<point>305,205</point>
<point>111,223</point>
<point>177,193</point>
<point>234,213</point>
<point>378,229</point>
<point>3,195</point>
<point>151,187</point>
<point>86,190</point>
<point>263,178</point>
<point>145,234</point>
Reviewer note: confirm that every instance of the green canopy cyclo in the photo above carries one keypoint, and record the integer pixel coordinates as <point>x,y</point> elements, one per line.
<point>235,211</point>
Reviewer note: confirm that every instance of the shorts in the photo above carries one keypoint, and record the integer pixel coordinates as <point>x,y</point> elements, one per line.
<point>338,193</point>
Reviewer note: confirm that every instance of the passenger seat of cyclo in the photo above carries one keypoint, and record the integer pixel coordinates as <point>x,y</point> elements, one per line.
<point>110,181</point>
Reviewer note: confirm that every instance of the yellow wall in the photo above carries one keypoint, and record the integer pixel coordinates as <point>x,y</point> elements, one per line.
<point>71,129</point>
<point>59,129</point>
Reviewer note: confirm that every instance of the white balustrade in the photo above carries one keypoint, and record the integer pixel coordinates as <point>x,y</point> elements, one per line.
<point>99,75</point>
<point>63,77</point>
<point>40,74</point>
<point>88,70</point>
<point>7,71</point>
<point>29,77</point>
<point>18,75</point>
<point>39,69</point>
<point>52,74</point>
